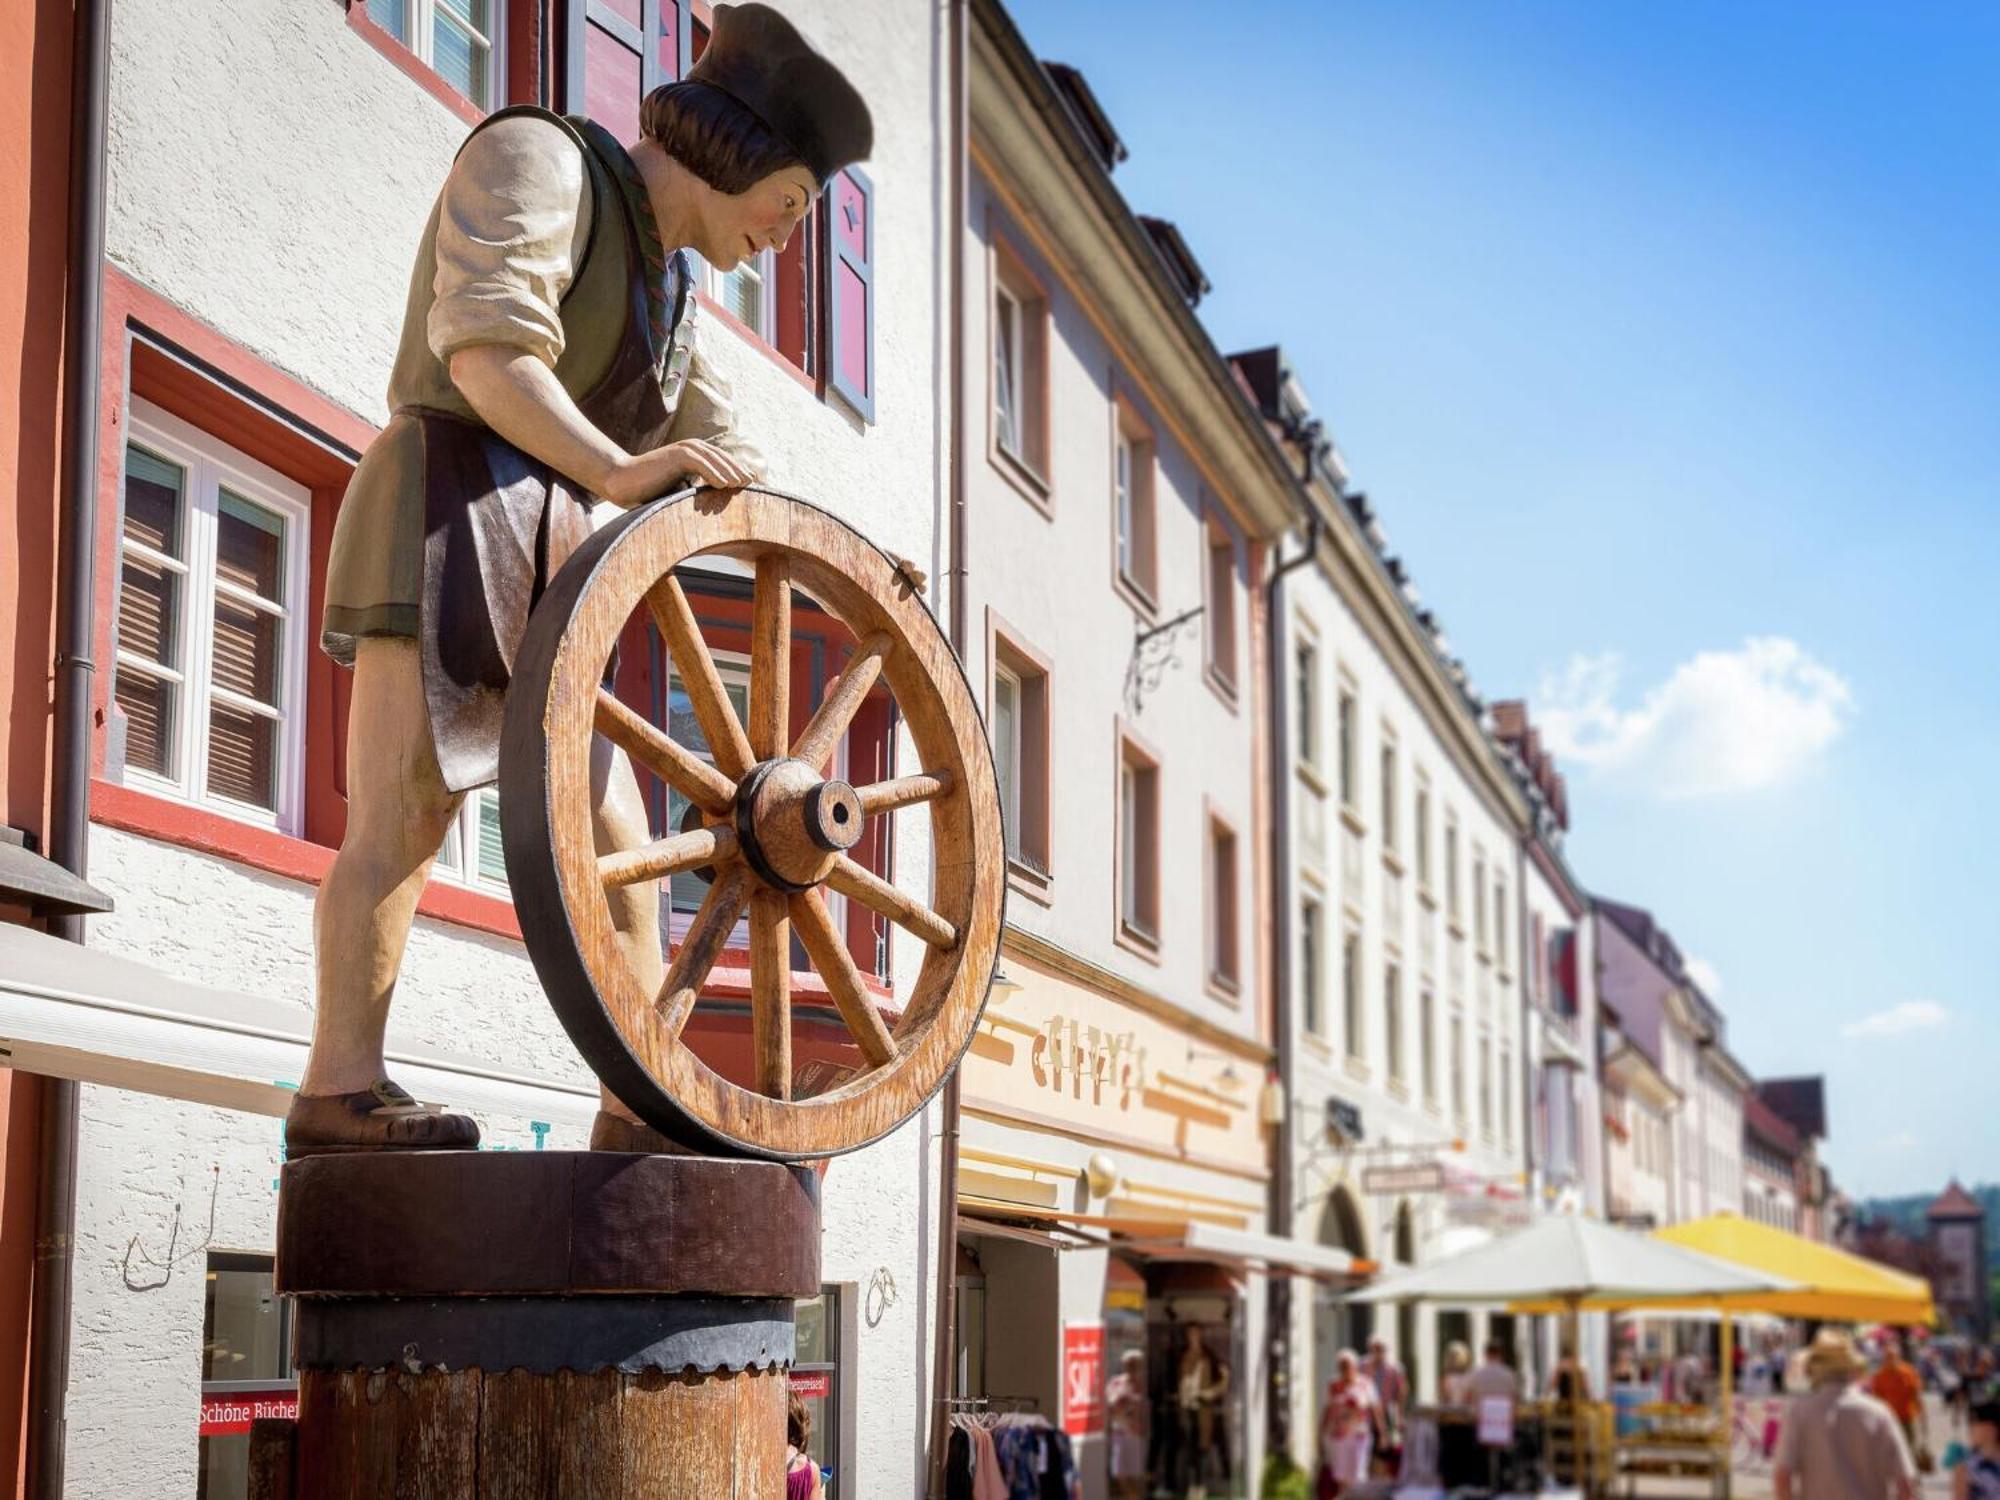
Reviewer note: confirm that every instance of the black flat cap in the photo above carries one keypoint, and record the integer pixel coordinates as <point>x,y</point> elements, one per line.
<point>758,58</point>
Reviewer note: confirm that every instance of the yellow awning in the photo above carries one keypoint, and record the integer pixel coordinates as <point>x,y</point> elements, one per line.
<point>1838,1287</point>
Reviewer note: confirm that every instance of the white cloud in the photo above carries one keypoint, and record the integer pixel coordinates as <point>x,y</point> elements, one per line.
<point>1903,1016</point>
<point>1723,722</point>
<point>1705,974</point>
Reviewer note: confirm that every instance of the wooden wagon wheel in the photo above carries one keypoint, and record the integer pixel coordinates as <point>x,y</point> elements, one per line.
<point>772,828</point>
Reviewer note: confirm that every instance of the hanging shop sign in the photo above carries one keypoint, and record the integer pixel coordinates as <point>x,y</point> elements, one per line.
<point>1343,1121</point>
<point>226,1412</point>
<point>1397,1179</point>
<point>1083,1379</point>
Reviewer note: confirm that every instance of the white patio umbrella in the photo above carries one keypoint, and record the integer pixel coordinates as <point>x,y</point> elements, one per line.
<point>1571,1262</point>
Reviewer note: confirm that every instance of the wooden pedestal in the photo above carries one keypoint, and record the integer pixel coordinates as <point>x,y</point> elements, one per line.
<point>479,1325</point>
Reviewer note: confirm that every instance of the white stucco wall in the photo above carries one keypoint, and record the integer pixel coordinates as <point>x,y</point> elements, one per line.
<point>270,173</point>
<point>1048,578</point>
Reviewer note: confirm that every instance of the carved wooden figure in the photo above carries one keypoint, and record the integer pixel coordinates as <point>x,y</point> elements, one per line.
<point>477,1325</point>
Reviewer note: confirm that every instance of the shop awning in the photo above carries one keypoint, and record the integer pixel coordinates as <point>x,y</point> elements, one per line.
<point>1834,1286</point>
<point>72,1011</point>
<point>1169,1238</point>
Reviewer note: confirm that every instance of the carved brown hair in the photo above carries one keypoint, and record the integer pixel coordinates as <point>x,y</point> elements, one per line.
<point>713,136</point>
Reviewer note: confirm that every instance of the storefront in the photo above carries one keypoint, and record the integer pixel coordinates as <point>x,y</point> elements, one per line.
<point>1112,1201</point>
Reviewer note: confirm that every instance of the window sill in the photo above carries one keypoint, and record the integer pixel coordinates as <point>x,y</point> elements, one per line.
<point>1317,1046</point>
<point>1311,775</point>
<point>1224,687</point>
<point>1022,476</point>
<point>1429,897</point>
<point>1135,594</point>
<point>118,806</point>
<point>1035,884</point>
<point>1351,821</point>
<point>1354,1068</point>
<point>422,73</point>
<point>710,308</point>
<point>1483,956</point>
<point>1455,927</point>
<point>1136,940</point>
<point>1434,1109</point>
<point>1393,862</point>
<point>1227,989</point>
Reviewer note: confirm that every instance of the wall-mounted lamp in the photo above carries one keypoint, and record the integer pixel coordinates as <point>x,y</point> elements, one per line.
<point>1229,1080</point>
<point>1002,987</point>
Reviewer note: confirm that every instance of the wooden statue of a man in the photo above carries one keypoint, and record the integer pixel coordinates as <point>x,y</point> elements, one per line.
<point>547,361</point>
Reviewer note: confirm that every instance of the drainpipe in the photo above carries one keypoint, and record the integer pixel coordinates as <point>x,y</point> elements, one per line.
<point>69,790</point>
<point>945,1355</point>
<point>1278,1289</point>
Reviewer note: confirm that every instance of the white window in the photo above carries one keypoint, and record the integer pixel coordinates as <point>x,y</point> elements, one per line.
<point>1350,992</point>
<point>210,672</point>
<point>1124,502</point>
<point>471,852</point>
<point>1427,1043</point>
<point>1008,385</point>
<point>1389,794</point>
<point>458,38</point>
<point>1346,728</point>
<point>749,293</point>
<point>1312,947</point>
<point>1392,1019</point>
<point>1007,752</point>
<point>688,888</point>
<point>1305,672</point>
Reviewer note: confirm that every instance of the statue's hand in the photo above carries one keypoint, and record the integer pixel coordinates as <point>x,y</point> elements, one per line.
<point>650,475</point>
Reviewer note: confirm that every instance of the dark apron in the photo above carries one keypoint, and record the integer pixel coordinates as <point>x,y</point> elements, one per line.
<point>498,523</point>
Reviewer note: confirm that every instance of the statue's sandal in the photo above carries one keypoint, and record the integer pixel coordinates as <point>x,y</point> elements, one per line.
<point>381,1118</point>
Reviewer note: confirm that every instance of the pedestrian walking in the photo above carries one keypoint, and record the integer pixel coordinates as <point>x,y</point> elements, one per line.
<point>1839,1442</point>
<point>1392,1395</point>
<point>1897,1386</point>
<point>1346,1426</point>
<point>1978,1476</point>
<point>1457,1364</point>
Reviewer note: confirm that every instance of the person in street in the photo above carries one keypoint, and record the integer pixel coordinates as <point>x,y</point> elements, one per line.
<point>802,1477</point>
<point>1203,1383</point>
<point>1688,1376</point>
<point>1392,1396</point>
<point>547,361</point>
<point>1977,1476</point>
<point>1494,1377</point>
<point>1347,1424</point>
<point>1128,1415</point>
<point>1897,1386</point>
<point>1839,1442</point>
<point>1572,1381</point>
<point>1453,1370</point>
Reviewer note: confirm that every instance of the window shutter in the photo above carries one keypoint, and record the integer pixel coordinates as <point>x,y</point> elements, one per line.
<point>618,51</point>
<point>850,361</point>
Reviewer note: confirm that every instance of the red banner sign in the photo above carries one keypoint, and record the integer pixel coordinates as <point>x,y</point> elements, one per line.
<point>1083,1379</point>
<point>236,1410</point>
<point>812,1385</point>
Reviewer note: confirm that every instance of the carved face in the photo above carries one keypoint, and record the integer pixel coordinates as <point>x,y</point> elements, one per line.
<point>736,226</point>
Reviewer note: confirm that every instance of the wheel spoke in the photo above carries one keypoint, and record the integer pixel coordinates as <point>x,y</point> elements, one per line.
<point>771,657</point>
<point>703,945</point>
<point>771,993</point>
<point>677,766</point>
<point>887,796</point>
<point>668,856</point>
<point>843,700</point>
<point>712,709</point>
<point>872,891</point>
<point>843,980</point>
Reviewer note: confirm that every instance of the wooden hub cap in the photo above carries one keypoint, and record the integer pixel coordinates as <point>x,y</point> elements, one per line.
<point>791,825</point>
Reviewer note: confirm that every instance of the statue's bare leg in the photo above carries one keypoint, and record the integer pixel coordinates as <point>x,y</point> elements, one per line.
<point>618,815</point>
<point>398,811</point>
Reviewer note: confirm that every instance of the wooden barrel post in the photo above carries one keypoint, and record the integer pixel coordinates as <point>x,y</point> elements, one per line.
<point>501,1325</point>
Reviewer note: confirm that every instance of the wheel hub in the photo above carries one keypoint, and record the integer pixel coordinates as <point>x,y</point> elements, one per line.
<point>792,825</point>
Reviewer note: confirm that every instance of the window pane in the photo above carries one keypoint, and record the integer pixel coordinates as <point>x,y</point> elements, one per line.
<point>148,706</point>
<point>688,888</point>
<point>250,547</point>
<point>1006,364</point>
<point>1128,839</point>
<point>149,611</point>
<point>459,59</point>
<point>246,650</point>
<point>393,16</point>
<point>1007,752</point>
<point>153,490</point>
<point>492,862</point>
<point>742,292</point>
<point>242,756</point>
<point>473,12</point>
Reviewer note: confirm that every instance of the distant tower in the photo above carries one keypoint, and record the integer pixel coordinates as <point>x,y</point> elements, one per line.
<point>1958,1240</point>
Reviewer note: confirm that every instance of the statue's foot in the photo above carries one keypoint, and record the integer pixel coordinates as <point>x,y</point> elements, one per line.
<point>609,1132</point>
<point>381,1118</point>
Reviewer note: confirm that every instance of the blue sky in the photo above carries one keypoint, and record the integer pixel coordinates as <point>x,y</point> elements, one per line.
<point>1667,341</point>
